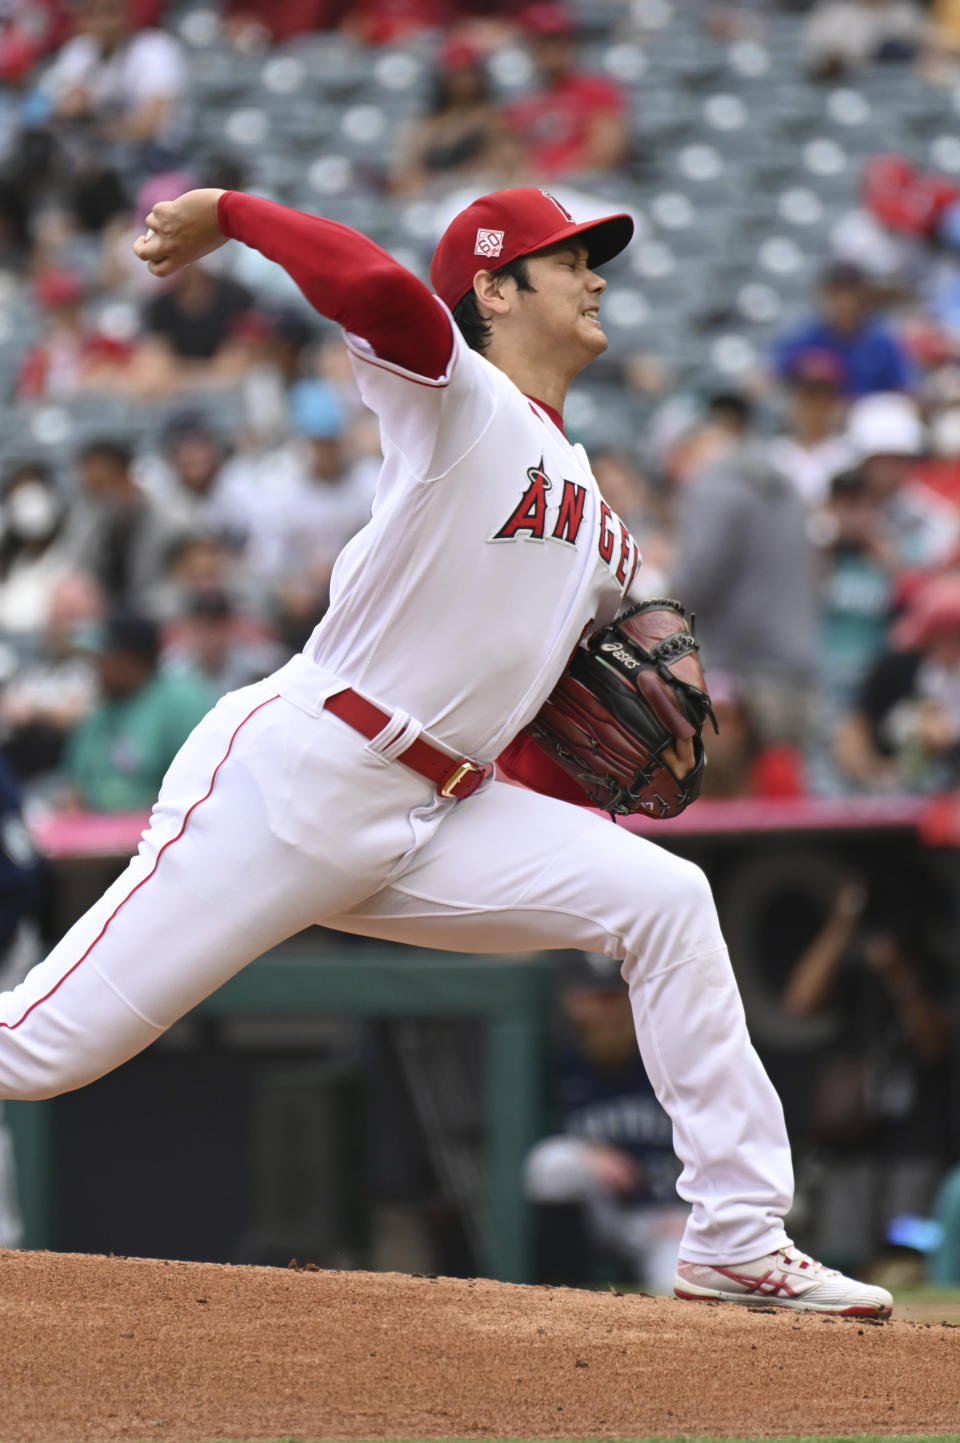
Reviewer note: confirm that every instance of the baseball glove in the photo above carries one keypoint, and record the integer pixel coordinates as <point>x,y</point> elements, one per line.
<point>630,692</point>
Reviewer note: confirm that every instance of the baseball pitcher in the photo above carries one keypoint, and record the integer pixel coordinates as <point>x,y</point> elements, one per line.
<point>486,611</point>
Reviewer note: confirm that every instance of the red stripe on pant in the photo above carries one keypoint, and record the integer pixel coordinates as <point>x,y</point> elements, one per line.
<point>12,1026</point>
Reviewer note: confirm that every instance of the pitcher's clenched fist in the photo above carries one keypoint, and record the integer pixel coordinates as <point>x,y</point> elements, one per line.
<point>180,231</point>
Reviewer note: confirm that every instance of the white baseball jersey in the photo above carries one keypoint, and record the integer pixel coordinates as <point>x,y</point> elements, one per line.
<point>489,552</point>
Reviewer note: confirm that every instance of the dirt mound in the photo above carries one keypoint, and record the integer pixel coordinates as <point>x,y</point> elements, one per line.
<point>111,1348</point>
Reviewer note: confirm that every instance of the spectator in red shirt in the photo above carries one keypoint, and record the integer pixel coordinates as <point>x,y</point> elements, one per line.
<point>71,356</point>
<point>29,31</point>
<point>573,122</point>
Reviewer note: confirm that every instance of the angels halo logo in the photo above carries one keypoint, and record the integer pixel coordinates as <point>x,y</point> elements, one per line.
<point>561,208</point>
<point>489,243</point>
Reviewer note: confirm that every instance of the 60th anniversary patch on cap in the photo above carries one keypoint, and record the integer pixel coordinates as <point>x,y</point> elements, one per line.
<point>489,242</point>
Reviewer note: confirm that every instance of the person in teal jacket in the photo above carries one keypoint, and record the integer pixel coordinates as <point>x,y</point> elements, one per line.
<point>943,1263</point>
<point>116,758</point>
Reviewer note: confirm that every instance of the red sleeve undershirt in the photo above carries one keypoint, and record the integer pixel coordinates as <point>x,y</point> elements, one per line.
<point>348,278</point>
<point>524,762</point>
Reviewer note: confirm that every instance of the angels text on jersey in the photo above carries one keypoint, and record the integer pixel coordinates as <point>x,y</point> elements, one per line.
<point>546,514</point>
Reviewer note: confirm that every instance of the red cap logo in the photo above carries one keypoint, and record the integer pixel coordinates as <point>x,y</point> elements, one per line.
<point>561,208</point>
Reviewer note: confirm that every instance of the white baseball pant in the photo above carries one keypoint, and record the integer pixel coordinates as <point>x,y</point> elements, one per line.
<point>276,815</point>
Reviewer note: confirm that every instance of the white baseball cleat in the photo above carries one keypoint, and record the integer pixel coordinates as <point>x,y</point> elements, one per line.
<point>787,1278</point>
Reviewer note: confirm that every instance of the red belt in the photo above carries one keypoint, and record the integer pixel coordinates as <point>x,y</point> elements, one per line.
<point>451,779</point>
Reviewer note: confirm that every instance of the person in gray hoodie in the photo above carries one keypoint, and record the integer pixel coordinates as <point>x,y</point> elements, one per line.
<point>745,566</point>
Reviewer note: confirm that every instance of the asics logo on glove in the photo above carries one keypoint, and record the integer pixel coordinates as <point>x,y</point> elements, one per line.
<point>620,653</point>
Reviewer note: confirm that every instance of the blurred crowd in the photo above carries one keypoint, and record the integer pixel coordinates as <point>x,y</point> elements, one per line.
<point>807,509</point>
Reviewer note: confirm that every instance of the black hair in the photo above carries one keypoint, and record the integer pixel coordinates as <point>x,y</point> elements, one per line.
<point>439,101</point>
<point>846,275</point>
<point>105,448</point>
<point>10,544</point>
<point>474,329</point>
<point>731,406</point>
<point>26,471</point>
<point>15,214</point>
<point>183,540</point>
<point>225,172</point>
<point>847,483</point>
<point>129,632</point>
<point>188,423</point>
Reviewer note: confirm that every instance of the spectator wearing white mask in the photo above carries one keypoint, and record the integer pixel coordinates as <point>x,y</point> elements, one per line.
<point>33,557</point>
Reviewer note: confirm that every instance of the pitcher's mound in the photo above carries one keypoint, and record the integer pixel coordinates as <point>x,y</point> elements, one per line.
<point>112,1348</point>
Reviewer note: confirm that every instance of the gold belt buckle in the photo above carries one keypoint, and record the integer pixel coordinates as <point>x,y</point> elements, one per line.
<point>455,778</point>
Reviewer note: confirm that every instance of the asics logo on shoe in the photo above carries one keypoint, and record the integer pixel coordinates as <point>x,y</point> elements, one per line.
<point>770,1285</point>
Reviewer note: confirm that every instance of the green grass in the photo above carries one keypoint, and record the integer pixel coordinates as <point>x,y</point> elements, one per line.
<point>915,1302</point>
<point>925,1305</point>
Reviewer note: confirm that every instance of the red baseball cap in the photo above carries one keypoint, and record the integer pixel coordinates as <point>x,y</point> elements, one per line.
<point>814,366</point>
<point>458,54</point>
<point>546,18</point>
<point>56,288</point>
<point>500,227</point>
